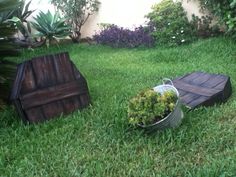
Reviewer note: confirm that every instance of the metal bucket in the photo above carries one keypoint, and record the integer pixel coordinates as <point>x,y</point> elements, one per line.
<point>173,119</point>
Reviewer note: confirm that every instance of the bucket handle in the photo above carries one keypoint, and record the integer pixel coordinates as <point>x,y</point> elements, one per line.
<point>166,79</point>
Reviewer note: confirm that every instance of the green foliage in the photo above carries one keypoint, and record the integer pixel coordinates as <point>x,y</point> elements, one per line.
<point>18,17</point>
<point>77,13</point>
<point>171,23</point>
<point>150,106</point>
<point>7,47</point>
<point>225,11</point>
<point>23,25</point>
<point>51,27</point>
<point>8,5</point>
<point>203,27</point>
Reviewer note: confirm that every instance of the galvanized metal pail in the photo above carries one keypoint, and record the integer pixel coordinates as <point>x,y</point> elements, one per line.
<point>173,119</point>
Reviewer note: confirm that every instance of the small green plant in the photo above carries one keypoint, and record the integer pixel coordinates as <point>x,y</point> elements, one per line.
<point>51,27</point>
<point>149,107</point>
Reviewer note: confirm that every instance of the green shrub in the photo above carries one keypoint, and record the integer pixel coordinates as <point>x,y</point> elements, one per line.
<point>171,24</point>
<point>225,11</point>
<point>51,27</point>
<point>149,106</point>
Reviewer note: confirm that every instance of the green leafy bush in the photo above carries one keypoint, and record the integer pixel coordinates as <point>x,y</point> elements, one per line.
<point>51,27</point>
<point>171,24</point>
<point>149,106</point>
<point>225,11</point>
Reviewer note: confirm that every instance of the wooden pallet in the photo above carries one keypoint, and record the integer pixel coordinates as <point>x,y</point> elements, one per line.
<point>203,89</point>
<point>47,86</point>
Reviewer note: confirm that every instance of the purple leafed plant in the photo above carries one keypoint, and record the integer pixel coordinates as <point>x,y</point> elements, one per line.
<point>121,37</point>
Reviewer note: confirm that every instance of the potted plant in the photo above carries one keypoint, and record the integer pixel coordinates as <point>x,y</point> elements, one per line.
<point>155,108</point>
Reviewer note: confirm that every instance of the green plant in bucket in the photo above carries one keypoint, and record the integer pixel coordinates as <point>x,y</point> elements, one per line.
<point>149,107</point>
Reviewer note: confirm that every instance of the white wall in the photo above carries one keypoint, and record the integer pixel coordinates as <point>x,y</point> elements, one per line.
<point>125,13</point>
<point>129,13</point>
<point>40,5</point>
<point>192,7</point>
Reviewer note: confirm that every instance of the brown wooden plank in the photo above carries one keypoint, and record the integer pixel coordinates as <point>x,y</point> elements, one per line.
<point>182,92</point>
<point>35,115</point>
<point>198,101</point>
<point>20,111</point>
<point>55,93</point>
<point>191,76</point>
<point>202,78</point>
<point>214,81</point>
<point>84,99</point>
<point>195,89</point>
<point>71,104</point>
<point>222,85</point>
<point>44,72</point>
<point>28,82</point>
<point>53,109</point>
<point>16,87</point>
<point>63,69</point>
<point>188,98</point>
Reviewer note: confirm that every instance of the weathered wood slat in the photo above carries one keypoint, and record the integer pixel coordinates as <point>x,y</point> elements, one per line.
<point>35,115</point>
<point>188,77</point>
<point>28,83</point>
<point>71,104</point>
<point>50,94</point>
<point>200,79</point>
<point>44,72</point>
<point>197,102</point>
<point>63,68</point>
<point>195,89</point>
<point>17,83</point>
<point>52,109</point>
<point>187,98</point>
<point>214,81</point>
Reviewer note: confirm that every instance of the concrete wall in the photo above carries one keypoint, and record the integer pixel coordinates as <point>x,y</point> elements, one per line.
<point>125,13</point>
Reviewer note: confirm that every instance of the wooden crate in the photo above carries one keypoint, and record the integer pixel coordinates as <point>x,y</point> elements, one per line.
<point>203,89</point>
<point>47,86</point>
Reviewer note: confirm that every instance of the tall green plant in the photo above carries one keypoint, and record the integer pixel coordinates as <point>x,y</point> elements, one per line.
<point>77,12</point>
<point>7,47</point>
<point>50,27</point>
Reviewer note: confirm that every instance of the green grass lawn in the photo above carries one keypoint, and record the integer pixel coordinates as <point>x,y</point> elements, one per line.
<point>98,141</point>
